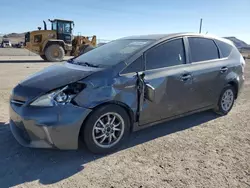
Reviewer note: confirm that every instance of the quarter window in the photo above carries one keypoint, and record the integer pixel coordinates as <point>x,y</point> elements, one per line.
<point>136,66</point>
<point>168,54</point>
<point>224,48</point>
<point>203,49</point>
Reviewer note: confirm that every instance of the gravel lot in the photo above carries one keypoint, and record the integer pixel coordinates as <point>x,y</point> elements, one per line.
<point>202,150</point>
<point>15,52</point>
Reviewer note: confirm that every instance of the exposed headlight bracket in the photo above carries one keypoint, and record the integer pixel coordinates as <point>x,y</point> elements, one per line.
<point>59,97</point>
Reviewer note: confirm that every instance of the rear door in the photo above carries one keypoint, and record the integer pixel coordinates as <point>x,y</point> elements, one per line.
<point>207,70</point>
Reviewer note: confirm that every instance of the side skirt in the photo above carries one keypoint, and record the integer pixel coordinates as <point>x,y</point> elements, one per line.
<point>137,127</point>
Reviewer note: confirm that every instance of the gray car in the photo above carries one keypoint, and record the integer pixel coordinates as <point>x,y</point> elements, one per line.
<point>123,86</point>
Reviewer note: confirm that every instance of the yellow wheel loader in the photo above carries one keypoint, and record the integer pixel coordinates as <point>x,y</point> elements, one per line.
<point>52,45</point>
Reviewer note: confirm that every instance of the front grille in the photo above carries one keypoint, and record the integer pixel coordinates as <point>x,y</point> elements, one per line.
<point>22,131</point>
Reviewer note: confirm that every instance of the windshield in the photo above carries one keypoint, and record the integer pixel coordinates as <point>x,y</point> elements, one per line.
<point>113,52</point>
<point>64,27</point>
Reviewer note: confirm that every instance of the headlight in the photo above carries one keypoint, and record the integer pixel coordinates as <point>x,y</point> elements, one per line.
<point>60,96</point>
<point>45,100</point>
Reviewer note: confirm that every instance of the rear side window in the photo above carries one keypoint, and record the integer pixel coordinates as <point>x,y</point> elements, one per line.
<point>136,66</point>
<point>225,48</point>
<point>203,49</point>
<point>165,55</point>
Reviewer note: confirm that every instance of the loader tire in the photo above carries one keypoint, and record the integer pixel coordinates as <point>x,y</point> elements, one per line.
<point>44,57</point>
<point>54,53</point>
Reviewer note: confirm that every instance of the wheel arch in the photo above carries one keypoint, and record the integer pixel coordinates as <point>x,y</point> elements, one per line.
<point>51,42</point>
<point>118,103</point>
<point>235,84</point>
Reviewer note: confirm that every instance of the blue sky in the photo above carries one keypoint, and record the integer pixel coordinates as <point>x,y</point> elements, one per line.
<point>111,19</point>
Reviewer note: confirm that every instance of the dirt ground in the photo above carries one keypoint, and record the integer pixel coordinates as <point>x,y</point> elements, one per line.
<point>15,52</point>
<point>201,150</point>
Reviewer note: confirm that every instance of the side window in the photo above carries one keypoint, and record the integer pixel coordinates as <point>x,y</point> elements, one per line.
<point>54,24</point>
<point>67,28</point>
<point>37,38</point>
<point>225,48</point>
<point>203,49</point>
<point>136,66</point>
<point>165,55</point>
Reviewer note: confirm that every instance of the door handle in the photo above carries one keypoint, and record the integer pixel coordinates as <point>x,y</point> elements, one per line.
<point>223,69</point>
<point>185,77</point>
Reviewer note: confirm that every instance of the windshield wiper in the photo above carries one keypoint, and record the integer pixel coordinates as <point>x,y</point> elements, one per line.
<point>88,64</point>
<point>82,63</point>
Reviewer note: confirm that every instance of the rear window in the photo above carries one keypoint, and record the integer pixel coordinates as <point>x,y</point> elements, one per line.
<point>203,49</point>
<point>225,48</point>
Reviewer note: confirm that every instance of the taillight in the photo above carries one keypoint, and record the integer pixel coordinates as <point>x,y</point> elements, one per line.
<point>243,63</point>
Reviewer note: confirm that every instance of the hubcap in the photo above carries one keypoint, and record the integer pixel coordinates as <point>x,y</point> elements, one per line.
<point>56,53</point>
<point>227,100</point>
<point>108,130</point>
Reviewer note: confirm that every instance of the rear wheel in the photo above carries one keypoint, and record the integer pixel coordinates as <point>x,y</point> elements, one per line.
<point>226,100</point>
<point>54,53</point>
<point>106,129</point>
<point>44,57</point>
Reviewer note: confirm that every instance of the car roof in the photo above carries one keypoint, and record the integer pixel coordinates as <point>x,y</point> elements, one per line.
<point>153,36</point>
<point>173,35</point>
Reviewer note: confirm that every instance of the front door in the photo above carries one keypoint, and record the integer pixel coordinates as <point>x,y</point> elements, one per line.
<point>166,73</point>
<point>64,32</point>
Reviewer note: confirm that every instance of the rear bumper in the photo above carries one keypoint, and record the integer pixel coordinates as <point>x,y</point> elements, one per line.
<point>241,81</point>
<point>50,127</point>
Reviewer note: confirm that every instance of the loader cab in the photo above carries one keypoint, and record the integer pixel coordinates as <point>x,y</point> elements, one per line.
<point>64,29</point>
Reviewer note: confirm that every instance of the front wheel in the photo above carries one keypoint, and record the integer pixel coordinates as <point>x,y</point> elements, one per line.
<point>54,53</point>
<point>44,57</point>
<point>106,129</point>
<point>226,100</point>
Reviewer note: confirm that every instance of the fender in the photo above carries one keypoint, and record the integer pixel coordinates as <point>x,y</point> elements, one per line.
<point>233,79</point>
<point>120,90</point>
<point>129,92</point>
<point>48,42</point>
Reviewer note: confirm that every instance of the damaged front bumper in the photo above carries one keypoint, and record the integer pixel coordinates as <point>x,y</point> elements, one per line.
<point>47,127</point>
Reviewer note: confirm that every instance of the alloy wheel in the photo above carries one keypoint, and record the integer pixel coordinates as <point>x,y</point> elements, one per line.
<point>108,130</point>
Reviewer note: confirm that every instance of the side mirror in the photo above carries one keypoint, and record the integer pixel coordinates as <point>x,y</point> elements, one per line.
<point>244,57</point>
<point>148,90</point>
<point>149,93</point>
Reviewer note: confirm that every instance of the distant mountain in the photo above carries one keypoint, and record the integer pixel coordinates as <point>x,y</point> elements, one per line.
<point>14,35</point>
<point>238,43</point>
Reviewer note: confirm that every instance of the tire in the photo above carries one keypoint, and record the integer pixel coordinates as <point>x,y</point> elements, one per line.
<point>91,129</point>
<point>44,57</point>
<point>54,53</point>
<point>225,109</point>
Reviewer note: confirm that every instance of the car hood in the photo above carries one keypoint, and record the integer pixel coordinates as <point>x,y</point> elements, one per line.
<point>50,78</point>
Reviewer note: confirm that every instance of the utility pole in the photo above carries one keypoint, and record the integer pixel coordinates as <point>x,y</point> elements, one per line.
<point>200,25</point>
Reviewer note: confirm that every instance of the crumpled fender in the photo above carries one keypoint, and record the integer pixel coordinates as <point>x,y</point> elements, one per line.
<point>98,91</point>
